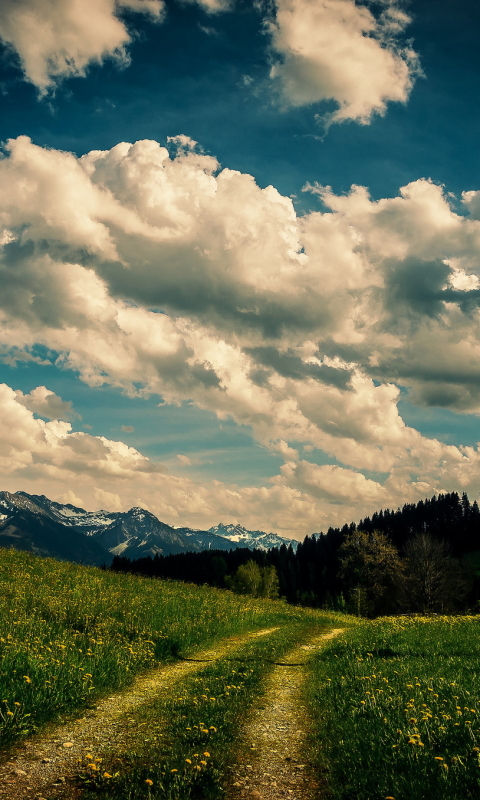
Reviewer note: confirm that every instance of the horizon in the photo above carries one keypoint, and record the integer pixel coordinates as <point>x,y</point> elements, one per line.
<point>239,257</point>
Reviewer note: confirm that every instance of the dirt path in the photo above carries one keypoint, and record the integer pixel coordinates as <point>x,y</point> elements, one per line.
<point>272,763</point>
<point>42,765</point>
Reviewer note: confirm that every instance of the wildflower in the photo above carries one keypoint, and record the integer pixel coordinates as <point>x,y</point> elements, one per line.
<point>149,782</point>
<point>188,760</point>
<point>106,775</point>
<point>207,755</point>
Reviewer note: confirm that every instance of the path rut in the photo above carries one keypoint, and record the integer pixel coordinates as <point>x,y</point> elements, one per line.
<point>44,763</point>
<point>273,762</point>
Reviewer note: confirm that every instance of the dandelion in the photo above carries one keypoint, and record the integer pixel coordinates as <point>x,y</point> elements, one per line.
<point>150,783</point>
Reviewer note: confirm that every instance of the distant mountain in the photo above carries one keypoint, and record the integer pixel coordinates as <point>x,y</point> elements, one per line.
<point>27,525</point>
<point>251,539</point>
<point>42,526</point>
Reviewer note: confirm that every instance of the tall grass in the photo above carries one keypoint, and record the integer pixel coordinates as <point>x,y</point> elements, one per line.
<point>396,705</point>
<point>68,633</point>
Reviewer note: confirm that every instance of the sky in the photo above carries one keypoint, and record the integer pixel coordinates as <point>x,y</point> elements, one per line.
<point>239,267</point>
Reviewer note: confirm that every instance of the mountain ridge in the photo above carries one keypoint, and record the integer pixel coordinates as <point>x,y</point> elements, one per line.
<point>43,526</point>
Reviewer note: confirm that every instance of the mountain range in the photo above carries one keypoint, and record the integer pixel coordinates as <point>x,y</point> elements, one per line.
<point>42,526</point>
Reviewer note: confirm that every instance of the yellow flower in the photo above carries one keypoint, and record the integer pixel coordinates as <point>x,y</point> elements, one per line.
<point>106,775</point>
<point>149,782</point>
<point>188,760</point>
<point>207,755</point>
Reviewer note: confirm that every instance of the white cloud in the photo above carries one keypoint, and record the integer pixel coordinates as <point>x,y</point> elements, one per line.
<point>95,472</point>
<point>56,39</point>
<point>213,6</point>
<point>47,404</point>
<point>337,50</point>
<point>171,276</point>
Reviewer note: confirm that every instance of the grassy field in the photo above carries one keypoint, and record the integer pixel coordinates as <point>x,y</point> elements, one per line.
<point>69,633</point>
<point>188,740</point>
<point>396,704</point>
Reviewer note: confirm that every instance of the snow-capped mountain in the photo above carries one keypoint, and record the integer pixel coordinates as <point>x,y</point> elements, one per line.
<point>42,526</point>
<point>251,539</point>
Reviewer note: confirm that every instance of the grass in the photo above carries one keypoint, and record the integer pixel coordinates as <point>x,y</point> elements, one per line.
<point>189,740</point>
<point>396,707</point>
<point>70,633</point>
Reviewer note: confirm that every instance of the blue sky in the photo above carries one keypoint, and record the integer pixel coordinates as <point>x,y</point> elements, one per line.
<point>316,354</point>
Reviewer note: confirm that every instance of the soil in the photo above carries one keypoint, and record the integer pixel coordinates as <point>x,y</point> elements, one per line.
<point>273,760</point>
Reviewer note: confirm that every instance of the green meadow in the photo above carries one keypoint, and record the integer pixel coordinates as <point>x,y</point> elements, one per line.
<point>396,709</point>
<point>70,633</point>
<point>394,702</point>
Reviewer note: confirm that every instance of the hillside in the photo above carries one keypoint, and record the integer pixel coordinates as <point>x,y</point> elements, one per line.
<point>69,632</point>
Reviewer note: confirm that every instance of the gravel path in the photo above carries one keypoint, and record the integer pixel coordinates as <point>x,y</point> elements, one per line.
<point>43,765</point>
<point>272,763</point>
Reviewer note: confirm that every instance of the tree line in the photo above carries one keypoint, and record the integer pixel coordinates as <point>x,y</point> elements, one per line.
<point>424,557</point>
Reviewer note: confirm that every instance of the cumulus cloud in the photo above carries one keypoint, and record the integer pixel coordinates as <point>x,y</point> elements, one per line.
<point>56,39</point>
<point>337,50</point>
<point>169,275</point>
<point>96,472</point>
<point>47,404</point>
<point>213,6</point>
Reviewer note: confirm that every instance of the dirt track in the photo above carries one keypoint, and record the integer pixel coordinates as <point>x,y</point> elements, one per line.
<point>272,762</point>
<point>46,763</point>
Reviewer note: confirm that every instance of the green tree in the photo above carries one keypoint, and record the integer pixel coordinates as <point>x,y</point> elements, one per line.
<point>270,585</point>
<point>435,581</point>
<point>373,572</point>
<point>254,580</point>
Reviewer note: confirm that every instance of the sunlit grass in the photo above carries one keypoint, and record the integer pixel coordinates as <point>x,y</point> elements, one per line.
<point>397,706</point>
<point>69,633</point>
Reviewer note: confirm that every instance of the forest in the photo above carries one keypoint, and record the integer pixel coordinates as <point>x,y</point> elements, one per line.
<point>423,558</point>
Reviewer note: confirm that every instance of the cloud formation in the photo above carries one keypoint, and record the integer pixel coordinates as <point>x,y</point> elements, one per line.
<point>169,275</point>
<point>337,50</point>
<point>56,39</point>
<point>47,404</point>
<point>321,49</point>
